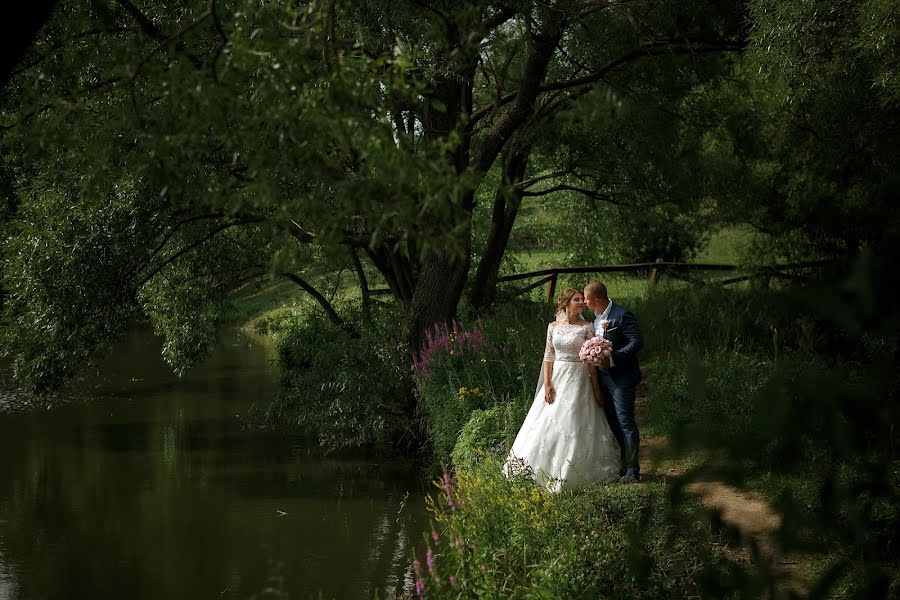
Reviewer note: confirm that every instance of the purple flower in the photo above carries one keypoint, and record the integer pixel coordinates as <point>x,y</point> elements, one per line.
<point>420,587</point>
<point>448,490</point>
<point>453,339</point>
<point>453,580</point>
<point>435,536</point>
<point>429,558</point>
<point>417,567</point>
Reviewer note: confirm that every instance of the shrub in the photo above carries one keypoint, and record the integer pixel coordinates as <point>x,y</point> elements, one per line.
<point>488,433</point>
<point>477,367</point>
<point>346,392</point>
<point>511,539</point>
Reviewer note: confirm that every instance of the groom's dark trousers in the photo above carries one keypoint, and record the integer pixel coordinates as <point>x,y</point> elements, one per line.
<point>619,382</point>
<point>619,408</point>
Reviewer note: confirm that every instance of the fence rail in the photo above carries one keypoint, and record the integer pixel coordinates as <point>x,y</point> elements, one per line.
<point>550,276</point>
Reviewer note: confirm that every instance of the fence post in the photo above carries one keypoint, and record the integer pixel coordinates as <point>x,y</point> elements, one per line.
<point>551,289</point>
<point>654,273</point>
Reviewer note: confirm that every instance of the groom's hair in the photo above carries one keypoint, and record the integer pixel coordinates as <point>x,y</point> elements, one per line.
<point>596,289</point>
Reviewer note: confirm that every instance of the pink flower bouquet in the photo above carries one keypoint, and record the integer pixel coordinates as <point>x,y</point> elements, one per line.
<point>596,351</point>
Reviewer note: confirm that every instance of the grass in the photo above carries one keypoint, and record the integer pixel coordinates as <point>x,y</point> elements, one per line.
<point>499,538</point>
<point>265,299</point>
<point>534,260</point>
<point>728,246</point>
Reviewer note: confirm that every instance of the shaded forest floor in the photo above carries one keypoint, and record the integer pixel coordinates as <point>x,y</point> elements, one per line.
<point>753,518</point>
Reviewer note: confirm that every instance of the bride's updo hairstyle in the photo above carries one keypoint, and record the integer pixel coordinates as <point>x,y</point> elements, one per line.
<point>563,299</point>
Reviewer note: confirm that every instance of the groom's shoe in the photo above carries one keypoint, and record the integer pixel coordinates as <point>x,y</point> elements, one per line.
<point>630,478</point>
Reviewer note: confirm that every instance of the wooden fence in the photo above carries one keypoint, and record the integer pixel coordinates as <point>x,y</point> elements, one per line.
<point>679,270</point>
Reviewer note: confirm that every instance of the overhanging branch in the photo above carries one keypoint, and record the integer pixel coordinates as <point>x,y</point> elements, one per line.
<point>195,244</point>
<point>644,51</point>
<point>322,301</point>
<point>572,188</point>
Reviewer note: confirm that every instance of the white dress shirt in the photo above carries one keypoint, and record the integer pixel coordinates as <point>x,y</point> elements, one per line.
<point>604,316</point>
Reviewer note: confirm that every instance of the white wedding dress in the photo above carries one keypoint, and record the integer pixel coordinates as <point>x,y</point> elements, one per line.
<point>568,444</point>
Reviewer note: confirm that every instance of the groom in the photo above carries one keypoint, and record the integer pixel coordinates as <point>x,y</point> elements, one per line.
<point>619,380</point>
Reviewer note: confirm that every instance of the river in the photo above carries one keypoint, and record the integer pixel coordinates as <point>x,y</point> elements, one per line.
<point>137,484</point>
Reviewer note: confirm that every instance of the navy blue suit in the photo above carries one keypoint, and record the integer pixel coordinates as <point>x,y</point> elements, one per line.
<point>619,382</point>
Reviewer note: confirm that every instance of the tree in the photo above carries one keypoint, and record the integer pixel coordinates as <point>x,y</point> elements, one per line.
<point>805,147</point>
<point>256,137</point>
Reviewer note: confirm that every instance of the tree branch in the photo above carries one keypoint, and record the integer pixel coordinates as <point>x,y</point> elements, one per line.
<point>363,283</point>
<point>195,244</point>
<point>502,16</point>
<point>143,21</point>
<point>647,50</point>
<point>541,50</point>
<point>166,40</point>
<point>40,57</point>
<point>563,187</point>
<point>530,182</point>
<point>178,225</point>
<point>296,231</point>
<point>323,302</point>
<point>99,85</point>
<point>223,39</point>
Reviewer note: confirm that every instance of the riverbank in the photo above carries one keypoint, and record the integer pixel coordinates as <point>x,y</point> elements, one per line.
<point>733,383</point>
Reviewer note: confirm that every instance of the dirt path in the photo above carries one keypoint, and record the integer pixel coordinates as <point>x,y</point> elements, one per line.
<point>754,517</point>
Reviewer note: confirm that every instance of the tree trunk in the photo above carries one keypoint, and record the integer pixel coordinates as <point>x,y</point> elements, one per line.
<point>507,201</point>
<point>438,292</point>
<point>363,284</point>
<point>397,270</point>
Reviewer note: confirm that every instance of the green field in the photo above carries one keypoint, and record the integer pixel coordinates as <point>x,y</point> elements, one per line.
<point>266,297</point>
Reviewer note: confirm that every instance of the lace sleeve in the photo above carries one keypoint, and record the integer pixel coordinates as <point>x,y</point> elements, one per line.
<point>549,351</point>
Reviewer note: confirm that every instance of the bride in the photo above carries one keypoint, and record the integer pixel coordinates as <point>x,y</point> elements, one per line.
<point>565,441</point>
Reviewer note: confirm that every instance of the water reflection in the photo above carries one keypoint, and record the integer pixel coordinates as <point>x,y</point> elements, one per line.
<point>153,489</point>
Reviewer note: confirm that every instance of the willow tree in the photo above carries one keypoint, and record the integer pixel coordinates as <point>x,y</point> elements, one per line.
<point>162,156</point>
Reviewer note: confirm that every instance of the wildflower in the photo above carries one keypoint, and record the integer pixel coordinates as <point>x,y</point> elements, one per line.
<point>435,536</point>
<point>417,567</point>
<point>420,587</point>
<point>429,558</point>
<point>453,580</point>
<point>448,490</point>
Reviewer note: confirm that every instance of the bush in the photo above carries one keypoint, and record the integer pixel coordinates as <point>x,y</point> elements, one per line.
<point>512,539</point>
<point>456,376</point>
<point>697,386</point>
<point>346,392</point>
<point>488,433</point>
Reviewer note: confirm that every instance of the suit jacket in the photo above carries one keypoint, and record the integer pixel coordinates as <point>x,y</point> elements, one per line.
<point>625,335</point>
